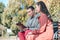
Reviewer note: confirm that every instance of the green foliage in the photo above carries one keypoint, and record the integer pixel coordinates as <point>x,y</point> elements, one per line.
<point>2,6</point>
<point>55,10</point>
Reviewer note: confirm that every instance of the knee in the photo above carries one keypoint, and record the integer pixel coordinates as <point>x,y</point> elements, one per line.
<point>20,33</point>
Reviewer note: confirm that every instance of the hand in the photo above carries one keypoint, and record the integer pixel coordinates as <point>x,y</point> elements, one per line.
<point>34,32</point>
<point>29,33</point>
<point>25,29</point>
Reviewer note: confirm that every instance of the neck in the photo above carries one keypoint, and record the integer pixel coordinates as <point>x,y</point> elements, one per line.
<point>32,16</point>
<point>40,12</point>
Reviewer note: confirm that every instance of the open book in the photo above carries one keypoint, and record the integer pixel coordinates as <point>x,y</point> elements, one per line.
<point>20,25</point>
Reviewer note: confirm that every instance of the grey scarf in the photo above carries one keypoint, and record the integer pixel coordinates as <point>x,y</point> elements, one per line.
<point>32,23</point>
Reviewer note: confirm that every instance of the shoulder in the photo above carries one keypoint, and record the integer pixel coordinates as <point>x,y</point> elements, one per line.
<point>37,15</point>
<point>43,15</point>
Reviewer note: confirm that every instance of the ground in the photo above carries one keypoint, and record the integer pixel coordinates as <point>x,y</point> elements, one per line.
<point>13,38</point>
<point>9,38</point>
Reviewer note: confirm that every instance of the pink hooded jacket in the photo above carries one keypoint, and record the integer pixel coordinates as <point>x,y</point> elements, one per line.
<point>45,31</point>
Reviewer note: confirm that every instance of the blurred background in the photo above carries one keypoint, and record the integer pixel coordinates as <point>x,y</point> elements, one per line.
<point>13,11</point>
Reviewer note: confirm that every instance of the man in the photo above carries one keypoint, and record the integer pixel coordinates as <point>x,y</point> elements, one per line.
<point>31,24</point>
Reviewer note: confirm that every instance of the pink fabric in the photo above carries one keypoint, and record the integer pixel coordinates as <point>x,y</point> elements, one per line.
<point>45,32</point>
<point>22,35</point>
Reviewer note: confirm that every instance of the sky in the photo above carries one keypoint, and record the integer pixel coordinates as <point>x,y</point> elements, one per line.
<point>4,1</point>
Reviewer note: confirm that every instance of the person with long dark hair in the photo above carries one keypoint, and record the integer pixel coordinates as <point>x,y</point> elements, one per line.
<point>45,32</point>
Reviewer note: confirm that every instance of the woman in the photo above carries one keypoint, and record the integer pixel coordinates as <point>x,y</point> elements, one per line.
<point>46,28</point>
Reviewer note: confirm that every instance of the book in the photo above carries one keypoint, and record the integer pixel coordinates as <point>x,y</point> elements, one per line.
<point>20,25</point>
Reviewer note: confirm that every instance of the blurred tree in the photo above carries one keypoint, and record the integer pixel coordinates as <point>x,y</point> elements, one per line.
<point>55,10</point>
<point>30,2</point>
<point>10,14</point>
<point>2,6</point>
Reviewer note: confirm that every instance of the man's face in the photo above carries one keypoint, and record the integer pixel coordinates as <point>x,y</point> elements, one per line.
<point>30,12</point>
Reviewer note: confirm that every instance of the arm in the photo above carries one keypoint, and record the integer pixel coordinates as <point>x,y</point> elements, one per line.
<point>43,23</point>
<point>43,19</point>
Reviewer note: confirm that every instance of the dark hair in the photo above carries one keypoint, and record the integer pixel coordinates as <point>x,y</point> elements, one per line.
<point>44,9</point>
<point>31,7</point>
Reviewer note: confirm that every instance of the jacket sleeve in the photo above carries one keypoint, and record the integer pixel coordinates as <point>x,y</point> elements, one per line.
<point>43,23</point>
